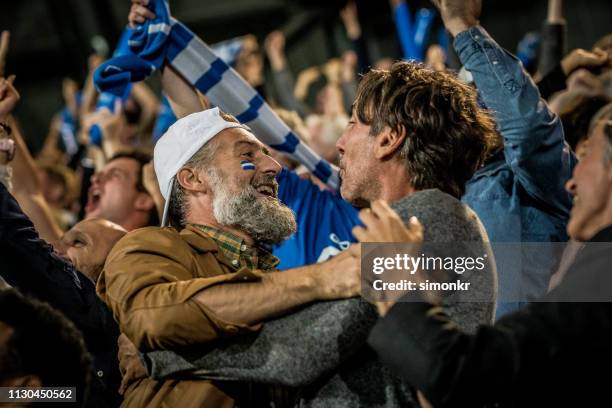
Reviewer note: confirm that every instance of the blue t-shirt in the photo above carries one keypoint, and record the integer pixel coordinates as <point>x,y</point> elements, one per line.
<point>324,219</point>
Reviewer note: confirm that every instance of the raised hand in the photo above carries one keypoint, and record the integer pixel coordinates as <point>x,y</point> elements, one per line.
<point>350,19</point>
<point>580,58</point>
<point>139,13</point>
<point>8,97</point>
<point>459,15</point>
<point>275,49</point>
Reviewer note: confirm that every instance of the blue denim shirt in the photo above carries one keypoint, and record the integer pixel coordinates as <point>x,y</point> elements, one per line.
<point>520,193</point>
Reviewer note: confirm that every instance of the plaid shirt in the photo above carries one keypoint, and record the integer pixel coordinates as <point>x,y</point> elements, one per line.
<point>238,252</point>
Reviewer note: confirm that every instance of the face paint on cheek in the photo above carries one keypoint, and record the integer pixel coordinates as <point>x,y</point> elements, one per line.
<point>247,165</point>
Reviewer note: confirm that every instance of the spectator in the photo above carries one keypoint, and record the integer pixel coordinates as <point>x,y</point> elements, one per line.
<point>519,192</point>
<point>525,371</point>
<point>400,149</point>
<point>32,265</point>
<point>528,356</point>
<point>117,192</point>
<point>169,289</point>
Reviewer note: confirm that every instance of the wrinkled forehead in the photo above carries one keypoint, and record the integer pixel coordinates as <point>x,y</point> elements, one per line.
<point>229,139</point>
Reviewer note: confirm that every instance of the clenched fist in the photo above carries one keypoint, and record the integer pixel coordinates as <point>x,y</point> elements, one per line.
<point>459,15</point>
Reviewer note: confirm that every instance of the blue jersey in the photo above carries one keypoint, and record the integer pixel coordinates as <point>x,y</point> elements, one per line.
<point>324,219</point>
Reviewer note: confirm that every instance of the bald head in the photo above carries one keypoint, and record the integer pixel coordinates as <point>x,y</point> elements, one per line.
<point>88,243</point>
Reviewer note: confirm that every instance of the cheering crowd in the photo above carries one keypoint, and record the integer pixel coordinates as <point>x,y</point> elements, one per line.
<point>203,247</point>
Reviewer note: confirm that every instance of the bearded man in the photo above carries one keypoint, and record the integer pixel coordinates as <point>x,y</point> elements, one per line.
<point>209,277</point>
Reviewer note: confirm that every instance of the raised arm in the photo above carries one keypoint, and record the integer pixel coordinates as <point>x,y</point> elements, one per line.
<point>183,97</point>
<point>553,37</point>
<point>88,102</point>
<point>282,77</point>
<point>27,189</point>
<point>534,145</point>
<point>350,20</point>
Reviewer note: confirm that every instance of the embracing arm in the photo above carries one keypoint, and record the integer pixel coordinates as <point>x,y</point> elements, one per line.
<point>160,305</point>
<point>294,350</point>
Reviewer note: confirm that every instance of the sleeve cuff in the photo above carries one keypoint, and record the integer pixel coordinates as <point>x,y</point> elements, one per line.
<point>465,40</point>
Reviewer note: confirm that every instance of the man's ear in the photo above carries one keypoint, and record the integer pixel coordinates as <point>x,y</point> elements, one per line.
<point>388,142</point>
<point>192,180</point>
<point>144,202</point>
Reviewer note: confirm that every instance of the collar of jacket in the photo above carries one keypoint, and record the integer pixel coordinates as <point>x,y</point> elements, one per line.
<point>202,242</point>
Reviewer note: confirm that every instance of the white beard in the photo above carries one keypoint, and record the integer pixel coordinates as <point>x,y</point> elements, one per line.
<point>264,219</point>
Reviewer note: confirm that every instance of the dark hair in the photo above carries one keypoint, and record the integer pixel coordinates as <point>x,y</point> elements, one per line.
<point>44,343</point>
<point>448,135</point>
<point>142,158</point>
<point>577,119</point>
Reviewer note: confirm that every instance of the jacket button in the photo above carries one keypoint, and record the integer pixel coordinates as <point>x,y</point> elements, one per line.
<point>100,373</point>
<point>235,262</point>
<point>243,247</point>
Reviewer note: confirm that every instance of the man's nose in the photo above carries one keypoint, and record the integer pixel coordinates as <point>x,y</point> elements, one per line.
<point>269,166</point>
<point>95,178</point>
<point>340,143</point>
<point>61,248</point>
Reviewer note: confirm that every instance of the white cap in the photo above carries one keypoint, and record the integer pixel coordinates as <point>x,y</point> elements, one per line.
<point>180,142</point>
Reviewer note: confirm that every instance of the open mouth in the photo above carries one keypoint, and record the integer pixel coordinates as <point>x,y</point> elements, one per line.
<point>267,190</point>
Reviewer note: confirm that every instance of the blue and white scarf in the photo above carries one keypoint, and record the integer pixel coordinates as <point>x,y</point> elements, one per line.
<point>165,39</point>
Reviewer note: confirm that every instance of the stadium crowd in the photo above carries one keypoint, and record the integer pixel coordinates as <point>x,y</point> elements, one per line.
<point>203,247</point>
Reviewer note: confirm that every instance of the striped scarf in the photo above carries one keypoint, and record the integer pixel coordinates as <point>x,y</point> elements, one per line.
<point>166,40</point>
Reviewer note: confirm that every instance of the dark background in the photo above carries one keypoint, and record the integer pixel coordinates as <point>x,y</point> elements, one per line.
<point>51,39</point>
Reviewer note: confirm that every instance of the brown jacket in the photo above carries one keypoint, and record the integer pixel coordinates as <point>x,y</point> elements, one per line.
<point>149,280</point>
